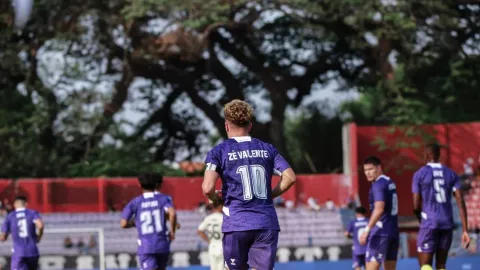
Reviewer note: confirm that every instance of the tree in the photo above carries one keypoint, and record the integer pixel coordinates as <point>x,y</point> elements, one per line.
<point>182,60</point>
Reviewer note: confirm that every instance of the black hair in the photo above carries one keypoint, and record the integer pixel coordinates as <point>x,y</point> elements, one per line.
<point>433,149</point>
<point>372,160</point>
<point>20,198</point>
<point>150,181</point>
<point>361,210</point>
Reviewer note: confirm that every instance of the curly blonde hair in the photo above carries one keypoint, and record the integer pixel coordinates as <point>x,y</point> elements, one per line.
<point>238,112</point>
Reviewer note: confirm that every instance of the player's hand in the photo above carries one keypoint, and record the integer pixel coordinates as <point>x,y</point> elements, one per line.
<point>363,238</point>
<point>171,236</point>
<point>465,240</point>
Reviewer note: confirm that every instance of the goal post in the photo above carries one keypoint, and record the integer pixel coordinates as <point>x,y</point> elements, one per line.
<point>101,239</point>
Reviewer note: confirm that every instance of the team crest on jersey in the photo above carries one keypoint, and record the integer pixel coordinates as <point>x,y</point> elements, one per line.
<point>232,261</point>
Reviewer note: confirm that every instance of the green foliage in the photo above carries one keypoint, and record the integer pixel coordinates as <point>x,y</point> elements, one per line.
<point>314,142</point>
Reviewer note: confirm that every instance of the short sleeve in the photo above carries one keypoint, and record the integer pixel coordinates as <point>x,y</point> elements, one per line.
<point>279,162</point>
<point>416,182</point>
<point>378,192</point>
<point>213,160</point>
<point>128,211</point>
<point>456,182</point>
<point>168,203</point>
<point>6,225</point>
<point>36,216</point>
<point>203,226</point>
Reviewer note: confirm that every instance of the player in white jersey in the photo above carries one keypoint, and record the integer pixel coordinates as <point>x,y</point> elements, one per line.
<point>210,230</point>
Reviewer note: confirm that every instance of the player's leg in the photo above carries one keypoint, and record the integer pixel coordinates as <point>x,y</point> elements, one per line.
<point>32,263</point>
<point>356,265</point>
<point>148,261</point>
<point>444,242</point>
<point>161,260</point>
<point>18,263</point>
<point>377,248</point>
<point>392,254</point>
<point>264,250</point>
<point>236,246</point>
<point>426,246</point>
<point>361,261</point>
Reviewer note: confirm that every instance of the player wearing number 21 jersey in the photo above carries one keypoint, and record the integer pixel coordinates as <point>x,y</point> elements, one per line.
<point>382,229</point>
<point>22,224</point>
<point>432,187</point>
<point>148,213</point>
<point>245,166</point>
<point>210,230</point>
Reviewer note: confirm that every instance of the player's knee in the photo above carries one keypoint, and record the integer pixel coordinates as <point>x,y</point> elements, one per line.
<point>426,267</point>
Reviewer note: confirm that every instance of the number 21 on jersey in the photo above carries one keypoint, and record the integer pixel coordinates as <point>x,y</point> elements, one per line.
<point>254,181</point>
<point>151,221</point>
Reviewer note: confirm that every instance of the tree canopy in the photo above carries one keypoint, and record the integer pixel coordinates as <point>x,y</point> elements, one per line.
<point>69,77</point>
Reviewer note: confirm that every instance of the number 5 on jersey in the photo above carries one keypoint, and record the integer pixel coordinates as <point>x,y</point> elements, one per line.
<point>253,176</point>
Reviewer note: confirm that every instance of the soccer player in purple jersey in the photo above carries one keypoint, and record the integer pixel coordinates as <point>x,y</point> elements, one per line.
<point>246,165</point>
<point>23,224</point>
<point>432,187</point>
<point>381,234</point>
<point>149,213</point>
<point>355,230</point>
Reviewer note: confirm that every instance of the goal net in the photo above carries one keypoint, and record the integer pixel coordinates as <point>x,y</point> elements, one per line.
<point>72,248</point>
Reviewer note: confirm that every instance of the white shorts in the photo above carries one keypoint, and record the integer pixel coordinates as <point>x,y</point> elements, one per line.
<point>216,261</point>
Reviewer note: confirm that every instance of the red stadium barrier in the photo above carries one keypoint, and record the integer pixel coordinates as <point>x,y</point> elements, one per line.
<point>96,194</point>
<point>401,152</point>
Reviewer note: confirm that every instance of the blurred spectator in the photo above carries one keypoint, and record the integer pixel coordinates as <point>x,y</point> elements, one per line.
<point>468,167</point>
<point>330,205</point>
<point>81,246</point>
<point>290,205</point>
<point>312,204</point>
<point>111,207</point>
<point>8,207</point>
<point>92,243</point>
<point>351,204</point>
<point>279,202</point>
<point>67,242</point>
<point>202,208</point>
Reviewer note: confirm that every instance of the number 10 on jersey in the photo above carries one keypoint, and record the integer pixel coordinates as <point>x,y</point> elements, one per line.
<point>254,181</point>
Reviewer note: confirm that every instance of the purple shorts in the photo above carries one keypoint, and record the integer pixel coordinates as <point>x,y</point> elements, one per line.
<point>431,240</point>
<point>358,261</point>
<point>382,248</point>
<point>256,249</point>
<point>153,261</point>
<point>24,263</point>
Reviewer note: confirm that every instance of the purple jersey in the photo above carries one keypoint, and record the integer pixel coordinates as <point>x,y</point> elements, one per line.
<point>436,183</point>
<point>355,229</point>
<point>384,190</point>
<point>149,211</point>
<point>246,166</point>
<point>20,225</point>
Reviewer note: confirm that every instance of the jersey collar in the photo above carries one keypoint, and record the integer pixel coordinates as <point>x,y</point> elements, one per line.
<point>382,176</point>
<point>147,195</point>
<point>434,164</point>
<point>20,209</point>
<point>242,138</point>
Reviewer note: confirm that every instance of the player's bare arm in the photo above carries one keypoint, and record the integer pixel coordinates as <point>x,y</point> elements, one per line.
<point>40,227</point>
<point>348,235</point>
<point>3,237</point>
<point>417,206</point>
<point>126,224</point>
<point>208,186</point>
<point>463,217</point>
<point>172,219</point>
<point>378,209</point>
<point>287,179</point>
<point>203,235</point>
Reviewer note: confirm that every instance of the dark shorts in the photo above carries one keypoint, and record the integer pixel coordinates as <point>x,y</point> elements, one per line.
<point>153,261</point>
<point>358,261</point>
<point>256,249</point>
<point>24,263</point>
<point>382,248</point>
<point>431,240</point>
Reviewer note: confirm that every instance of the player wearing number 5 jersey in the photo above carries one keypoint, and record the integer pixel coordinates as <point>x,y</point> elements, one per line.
<point>148,213</point>
<point>432,187</point>
<point>246,165</point>
<point>382,229</point>
<point>210,230</point>
<point>23,224</point>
